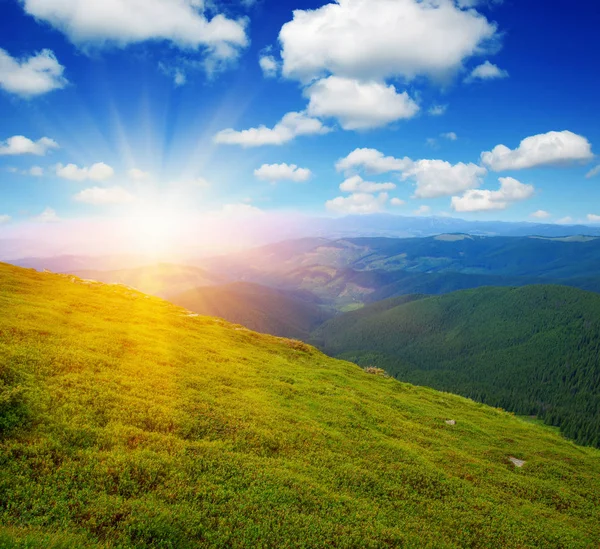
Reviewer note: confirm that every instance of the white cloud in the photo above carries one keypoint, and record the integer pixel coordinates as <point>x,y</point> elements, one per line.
<point>47,216</point>
<point>436,178</point>
<point>437,110</point>
<point>291,125</point>
<point>356,184</point>
<point>450,136</point>
<point>36,171</point>
<point>35,75</point>
<point>476,200</point>
<point>4,218</point>
<point>22,145</point>
<point>97,172</point>
<point>372,161</point>
<point>102,23</point>
<point>269,66</point>
<point>379,39</point>
<point>282,172</point>
<point>177,73</point>
<point>359,105</point>
<point>593,218</point>
<point>564,220</point>
<point>99,196</point>
<point>486,71</point>
<point>357,203</point>
<point>593,172</point>
<point>138,175</point>
<point>201,183</point>
<point>541,214</point>
<point>179,78</point>
<point>422,210</point>
<point>397,202</point>
<point>433,178</point>
<point>539,150</point>
<point>240,210</point>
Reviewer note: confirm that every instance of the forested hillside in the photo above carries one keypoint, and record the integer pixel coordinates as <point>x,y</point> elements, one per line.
<point>127,423</point>
<point>257,307</point>
<point>533,350</point>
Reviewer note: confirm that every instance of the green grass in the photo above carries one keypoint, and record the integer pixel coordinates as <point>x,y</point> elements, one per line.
<point>135,425</point>
<point>532,350</point>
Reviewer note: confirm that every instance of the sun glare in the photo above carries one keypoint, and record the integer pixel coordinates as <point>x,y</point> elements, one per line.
<point>153,231</point>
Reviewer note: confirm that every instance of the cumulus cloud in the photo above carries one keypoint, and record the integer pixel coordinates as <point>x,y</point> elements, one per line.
<point>433,178</point>
<point>354,39</point>
<point>282,172</point>
<point>423,210</point>
<point>30,76</point>
<point>397,202</point>
<point>97,172</point>
<point>138,175</point>
<point>486,71</point>
<point>437,110</point>
<point>539,150</point>
<point>292,125</point>
<point>476,200</point>
<point>436,178</point>
<point>99,23</point>
<point>593,172</point>
<point>372,161</point>
<point>100,196</point>
<point>4,218</point>
<point>177,73</point>
<point>22,145</point>
<point>450,136</point>
<point>357,184</point>
<point>564,220</point>
<point>593,218</point>
<point>541,214</point>
<point>36,171</point>
<point>47,216</point>
<point>359,105</point>
<point>358,203</point>
<point>269,66</point>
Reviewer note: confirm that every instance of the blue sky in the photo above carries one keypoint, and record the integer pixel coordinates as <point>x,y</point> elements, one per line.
<point>144,111</point>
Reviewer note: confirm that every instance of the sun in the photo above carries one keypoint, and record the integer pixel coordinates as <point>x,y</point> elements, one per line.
<point>154,231</point>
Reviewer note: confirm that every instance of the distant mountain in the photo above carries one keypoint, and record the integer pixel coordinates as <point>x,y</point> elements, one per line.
<point>396,226</point>
<point>162,280</point>
<point>257,307</point>
<point>349,272</point>
<point>533,350</point>
<point>77,263</point>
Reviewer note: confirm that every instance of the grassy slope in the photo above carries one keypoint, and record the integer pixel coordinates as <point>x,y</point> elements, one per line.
<point>533,350</point>
<point>257,307</point>
<point>144,427</point>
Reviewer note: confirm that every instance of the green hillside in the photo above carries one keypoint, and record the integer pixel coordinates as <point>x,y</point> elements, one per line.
<point>532,350</point>
<point>126,422</point>
<point>257,307</point>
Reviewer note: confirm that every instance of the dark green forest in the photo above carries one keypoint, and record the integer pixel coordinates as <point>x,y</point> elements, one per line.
<point>532,350</point>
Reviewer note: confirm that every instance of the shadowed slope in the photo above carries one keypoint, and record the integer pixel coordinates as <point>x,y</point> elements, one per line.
<point>257,307</point>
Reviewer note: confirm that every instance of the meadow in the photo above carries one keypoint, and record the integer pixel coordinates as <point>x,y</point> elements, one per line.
<point>126,421</point>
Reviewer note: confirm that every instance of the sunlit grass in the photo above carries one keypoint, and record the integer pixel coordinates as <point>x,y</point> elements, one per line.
<point>136,425</point>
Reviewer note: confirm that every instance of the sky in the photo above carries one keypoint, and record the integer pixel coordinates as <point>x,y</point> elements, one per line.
<point>169,109</point>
